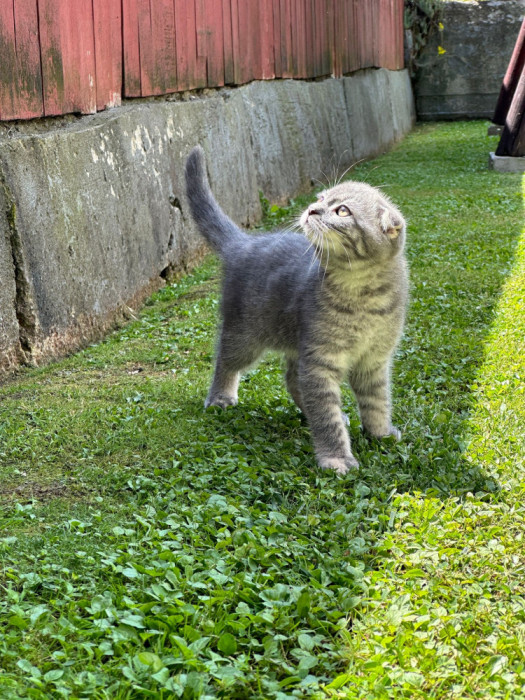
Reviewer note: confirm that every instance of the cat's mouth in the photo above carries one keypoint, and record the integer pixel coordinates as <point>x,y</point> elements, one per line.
<point>394,232</point>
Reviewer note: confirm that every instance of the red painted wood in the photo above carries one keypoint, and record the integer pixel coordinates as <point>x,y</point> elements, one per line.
<point>9,63</point>
<point>234,18</point>
<point>294,47</point>
<point>389,48</point>
<point>28,91</point>
<point>95,50</point>
<point>276,11</point>
<point>344,37</point>
<point>248,55</point>
<point>384,20</point>
<point>400,33</point>
<point>248,40</point>
<point>266,25</point>
<point>286,39</point>
<point>210,39</point>
<point>131,53</point>
<point>191,68</point>
<point>164,47</point>
<point>358,32</point>
<point>369,34</point>
<point>107,18</point>
<point>308,38</point>
<point>331,18</point>
<point>300,50</point>
<point>158,68</point>
<point>511,79</point>
<point>364,32</point>
<point>68,56</point>
<point>323,33</point>
<point>338,24</point>
<point>229,72</point>
<point>346,30</point>
<point>150,59</point>
<point>375,21</point>
<point>309,20</point>
<point>20,74</point>
<point>384,50</point>
<point>354,60</point>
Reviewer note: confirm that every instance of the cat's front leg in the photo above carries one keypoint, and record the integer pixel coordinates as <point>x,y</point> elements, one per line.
<point>321,402</point>
<point>371,386</point>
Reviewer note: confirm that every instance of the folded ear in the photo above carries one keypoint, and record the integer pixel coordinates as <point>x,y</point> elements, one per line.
<point>391,222</point>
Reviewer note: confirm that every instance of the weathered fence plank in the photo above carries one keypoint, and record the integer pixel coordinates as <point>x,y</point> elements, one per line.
<point>388,49</point>
<point>286,40</point>
<point>266,24</point>
<point>229,73</point>
<point>191,66</point>
<point>20,74</point>
<point>160,76</point>
<point>60,56</point>
<point>210,39</point>
<point>130,53</point>
<point>107,18</point>
<point>67,48</point>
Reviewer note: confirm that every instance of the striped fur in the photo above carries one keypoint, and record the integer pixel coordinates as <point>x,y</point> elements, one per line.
<point>332,299</point>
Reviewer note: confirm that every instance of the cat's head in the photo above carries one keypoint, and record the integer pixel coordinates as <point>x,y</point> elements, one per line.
<point>354,222</point>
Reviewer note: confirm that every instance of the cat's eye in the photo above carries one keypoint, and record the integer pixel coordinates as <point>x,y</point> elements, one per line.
<point>343,211</point>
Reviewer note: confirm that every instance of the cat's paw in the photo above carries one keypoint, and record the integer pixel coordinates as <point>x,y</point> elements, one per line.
<point>340,465</point>
<point>221,400</point>
<point>393,433</point>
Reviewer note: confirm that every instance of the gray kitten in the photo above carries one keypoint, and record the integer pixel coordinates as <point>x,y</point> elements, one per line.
<point>333,301</point>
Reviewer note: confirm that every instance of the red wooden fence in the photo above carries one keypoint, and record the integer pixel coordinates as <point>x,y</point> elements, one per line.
<point>62,56</point>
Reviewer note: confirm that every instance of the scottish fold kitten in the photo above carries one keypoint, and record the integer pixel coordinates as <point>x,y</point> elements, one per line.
<point>332,300</point>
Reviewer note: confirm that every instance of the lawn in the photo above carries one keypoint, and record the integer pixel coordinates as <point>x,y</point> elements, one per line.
<point>150,549</point>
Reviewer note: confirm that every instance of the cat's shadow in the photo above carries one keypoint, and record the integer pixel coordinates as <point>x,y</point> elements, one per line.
<point>423,461</point>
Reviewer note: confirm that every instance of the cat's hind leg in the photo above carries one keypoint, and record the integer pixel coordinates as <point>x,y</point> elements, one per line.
<point>371,387</point>
<point>223,389</point>
<point>292,382</point>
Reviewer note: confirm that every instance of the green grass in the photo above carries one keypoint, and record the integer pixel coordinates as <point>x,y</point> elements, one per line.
<point>149,549</point>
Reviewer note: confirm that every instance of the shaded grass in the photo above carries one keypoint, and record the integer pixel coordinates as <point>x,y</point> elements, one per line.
<point>150,549</point>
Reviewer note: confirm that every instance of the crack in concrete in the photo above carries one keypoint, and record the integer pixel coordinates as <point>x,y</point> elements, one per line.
<point>24,308</point>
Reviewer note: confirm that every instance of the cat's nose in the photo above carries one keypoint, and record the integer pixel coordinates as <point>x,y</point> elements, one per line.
<point>315,209</point>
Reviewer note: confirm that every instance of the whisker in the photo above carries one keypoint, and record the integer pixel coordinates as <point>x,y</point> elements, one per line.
<point>350,167</point>
<point>372,169</point>
<point>327,186</point>
<point>320,183</point>
<point>311,245</point>
<point>341,155</point>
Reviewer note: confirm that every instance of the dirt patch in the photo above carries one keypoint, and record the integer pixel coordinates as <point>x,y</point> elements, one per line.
<point>32,490</point>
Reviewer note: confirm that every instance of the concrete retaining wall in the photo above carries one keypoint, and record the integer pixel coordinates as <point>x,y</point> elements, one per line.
<point>92,211</point>
<point>464,82</point>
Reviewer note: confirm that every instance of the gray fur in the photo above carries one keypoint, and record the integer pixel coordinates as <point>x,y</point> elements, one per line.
<point>332,300</point>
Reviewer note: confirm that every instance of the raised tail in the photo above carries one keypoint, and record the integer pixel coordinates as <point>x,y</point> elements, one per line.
<point>218,229</point>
